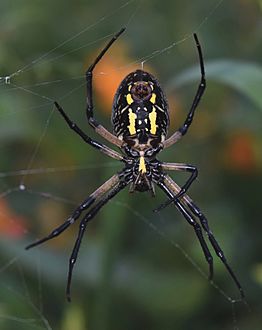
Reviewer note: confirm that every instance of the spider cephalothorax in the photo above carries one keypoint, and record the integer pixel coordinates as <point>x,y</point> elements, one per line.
<point>141,172</point>
<point>140,121</point>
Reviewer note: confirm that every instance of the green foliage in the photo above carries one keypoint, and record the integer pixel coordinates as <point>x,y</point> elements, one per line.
<point>131,272</point>
<point>244,77</point>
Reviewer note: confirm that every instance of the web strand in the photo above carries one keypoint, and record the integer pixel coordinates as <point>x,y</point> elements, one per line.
<point>29,170</point>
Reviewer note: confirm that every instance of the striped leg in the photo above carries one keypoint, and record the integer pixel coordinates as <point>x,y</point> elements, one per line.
<point>96,195</point>
<point>171,189</point>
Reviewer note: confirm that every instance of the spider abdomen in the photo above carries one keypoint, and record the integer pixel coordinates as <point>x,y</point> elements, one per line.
<point>140,110</point>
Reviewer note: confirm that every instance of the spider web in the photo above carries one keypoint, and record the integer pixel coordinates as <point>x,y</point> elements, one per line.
<point>26,180</point>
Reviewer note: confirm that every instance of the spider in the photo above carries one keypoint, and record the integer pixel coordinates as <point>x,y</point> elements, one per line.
<point>140,122</point>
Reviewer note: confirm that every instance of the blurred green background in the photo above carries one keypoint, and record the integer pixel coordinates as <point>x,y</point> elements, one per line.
<point>131,272</point>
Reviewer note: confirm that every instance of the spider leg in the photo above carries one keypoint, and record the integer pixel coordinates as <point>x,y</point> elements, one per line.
<point>103,148</point>
<point>200,91</point>
<point>82,228</point>
<point>89,101</point>
<point>187,201</point>
<point>195,209</point>
<point>185,187</point>
<point>192,221</point>
<point>76,214</point>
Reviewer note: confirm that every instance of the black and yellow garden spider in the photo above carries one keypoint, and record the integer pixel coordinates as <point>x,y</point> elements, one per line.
<point>140,121</point>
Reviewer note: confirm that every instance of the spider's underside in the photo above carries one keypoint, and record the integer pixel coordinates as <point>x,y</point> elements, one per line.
<point>140,122</point>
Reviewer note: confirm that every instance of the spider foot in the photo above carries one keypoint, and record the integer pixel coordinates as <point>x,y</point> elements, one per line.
<point>168,202</point>
<point>68,297</point>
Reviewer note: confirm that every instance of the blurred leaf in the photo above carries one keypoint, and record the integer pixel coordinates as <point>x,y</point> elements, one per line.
<point>74,318</point>
<point>243,76</point>
<point>174,290</point>
<point>257,273</point>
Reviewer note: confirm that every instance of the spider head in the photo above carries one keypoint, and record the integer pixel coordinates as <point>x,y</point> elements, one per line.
<point>142,172</point>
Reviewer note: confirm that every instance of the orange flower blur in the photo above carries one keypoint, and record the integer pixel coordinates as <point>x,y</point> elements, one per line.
<point>109,73</point>
<point>11,225</point>
<point>240,152</point>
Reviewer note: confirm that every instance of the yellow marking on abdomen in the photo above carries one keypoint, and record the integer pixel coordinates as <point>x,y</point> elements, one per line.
<point>152,118</point>
<point>153,98</point>
<point>142,165</point>
<point>129,99</point>
<point>132,122</point>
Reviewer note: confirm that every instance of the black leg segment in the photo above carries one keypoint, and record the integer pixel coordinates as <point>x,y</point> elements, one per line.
<point>82,228</point>
<point>96,195</point>
<point>200,91</point>
<point>171,189</point>
<point>179,167</point>
<point>103,148</point>
<point>195,209</point>
<point>192,221</point>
